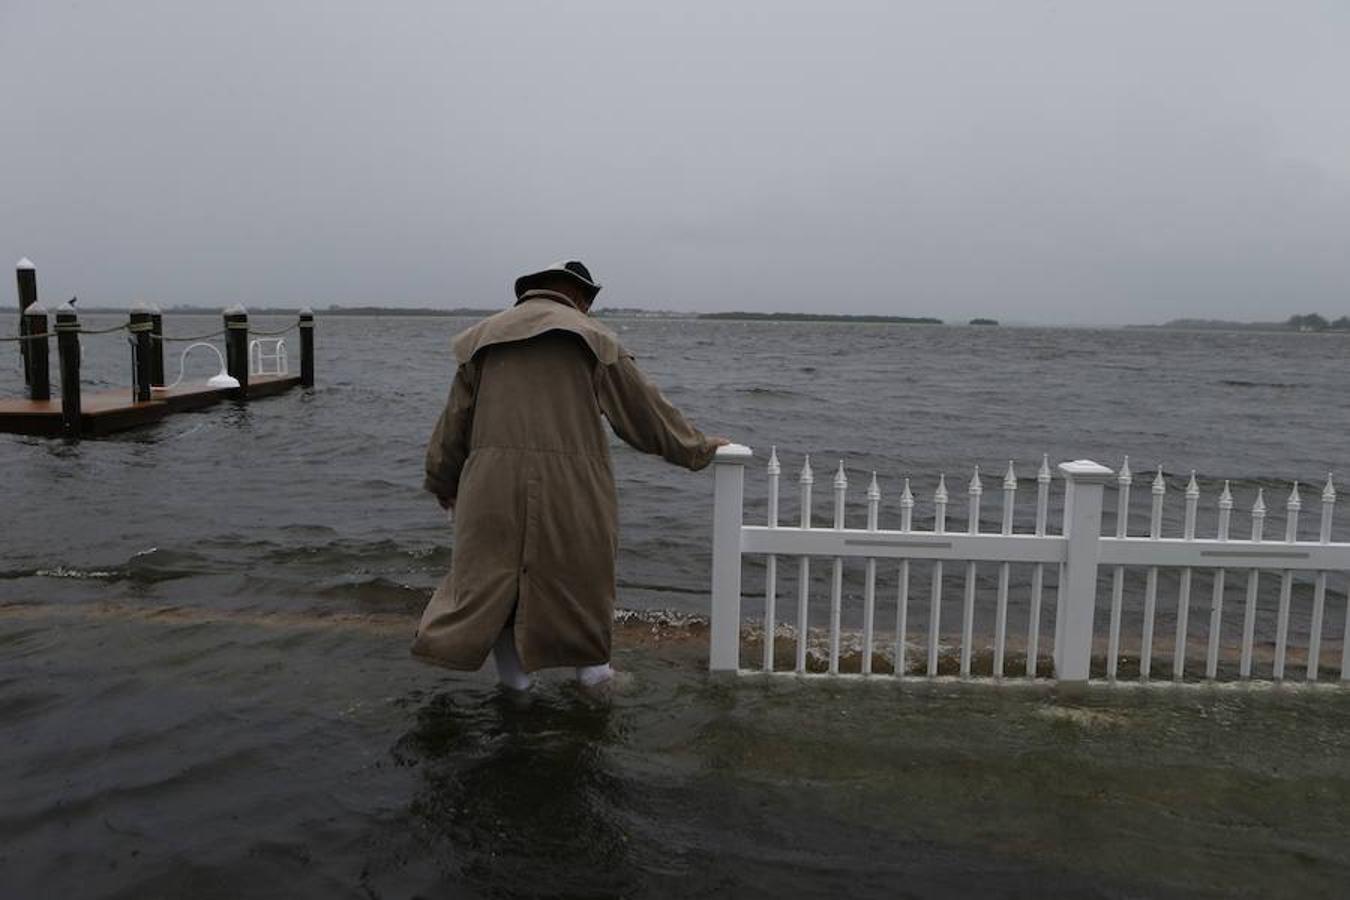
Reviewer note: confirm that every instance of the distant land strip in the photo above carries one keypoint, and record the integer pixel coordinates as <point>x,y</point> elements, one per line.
<point>1308,322</point>
<point>602,312</point>
<point>817,317</point>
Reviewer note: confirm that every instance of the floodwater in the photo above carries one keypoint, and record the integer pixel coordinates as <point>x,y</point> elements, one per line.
<point>205,690</point>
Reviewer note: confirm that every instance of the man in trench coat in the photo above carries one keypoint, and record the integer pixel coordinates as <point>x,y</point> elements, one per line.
<point>521,457</point>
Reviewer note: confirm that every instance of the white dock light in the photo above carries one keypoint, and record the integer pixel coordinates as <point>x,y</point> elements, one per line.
<point>221,381</point>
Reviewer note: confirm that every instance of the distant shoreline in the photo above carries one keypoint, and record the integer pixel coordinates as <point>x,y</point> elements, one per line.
<point>602,312</point>
<point>1295,325</point>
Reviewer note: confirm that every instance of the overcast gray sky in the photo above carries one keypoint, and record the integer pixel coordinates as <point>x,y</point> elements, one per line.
<point>1042,162</point>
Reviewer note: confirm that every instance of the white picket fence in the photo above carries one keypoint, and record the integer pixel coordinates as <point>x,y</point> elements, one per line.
<point>1078,550</point>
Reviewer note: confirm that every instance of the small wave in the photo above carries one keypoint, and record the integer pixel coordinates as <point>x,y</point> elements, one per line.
<point>379,594</point>
<point>660,588</point>
<point>1281,385</point>
<point>774,392</point>
<point>63,572</point>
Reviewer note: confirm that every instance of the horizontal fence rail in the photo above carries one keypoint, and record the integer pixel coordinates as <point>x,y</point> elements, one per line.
<point>1078,559</point>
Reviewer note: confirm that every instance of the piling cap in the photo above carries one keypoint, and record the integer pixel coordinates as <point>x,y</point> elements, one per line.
<point>140,306</point>
<point>236,310</point>
<point>37,309</point>
<point>306,311</point>
<point>24,263</point>
<point>68,306</point>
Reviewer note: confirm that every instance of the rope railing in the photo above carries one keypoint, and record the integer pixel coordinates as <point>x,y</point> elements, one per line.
<point>196,337</point>
<point>8,339</point>
<point>166,338</point>
<point>289,328</point>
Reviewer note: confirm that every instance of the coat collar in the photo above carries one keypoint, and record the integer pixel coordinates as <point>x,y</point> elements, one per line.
<point>542,294</point>
<point>549,311</point>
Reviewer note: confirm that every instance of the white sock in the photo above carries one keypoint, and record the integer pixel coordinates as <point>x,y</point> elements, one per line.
<point>590,676</point>
<point>509,670</point>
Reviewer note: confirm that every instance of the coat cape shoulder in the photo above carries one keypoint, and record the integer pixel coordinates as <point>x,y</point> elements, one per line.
<point>533,316</point>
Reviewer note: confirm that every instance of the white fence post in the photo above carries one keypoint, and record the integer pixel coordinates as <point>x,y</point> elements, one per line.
<point>728,501</point>
<point>1084,485</point>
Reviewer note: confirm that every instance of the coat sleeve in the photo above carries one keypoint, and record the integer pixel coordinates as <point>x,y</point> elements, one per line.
<point>645,419</point>
<point>449,447</point>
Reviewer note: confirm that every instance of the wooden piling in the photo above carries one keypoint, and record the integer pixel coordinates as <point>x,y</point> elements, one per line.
<point>156,347</point>
<point>140,326</point>
<point>39,364</point>
<point>236,347</point>
<point>307,347</point>
<point>68,350</point>
<point>26,276</point>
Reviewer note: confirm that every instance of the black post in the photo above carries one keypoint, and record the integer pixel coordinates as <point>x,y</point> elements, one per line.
<point>140,326</point>
<point>27,278</point>
<point>156,347</point>
<point>236,347</point>
<point>68,349</point>
<point>307,347</point>
<point>39,365</point>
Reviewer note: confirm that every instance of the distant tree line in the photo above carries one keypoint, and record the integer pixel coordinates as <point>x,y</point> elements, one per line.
<point>1317,322</point>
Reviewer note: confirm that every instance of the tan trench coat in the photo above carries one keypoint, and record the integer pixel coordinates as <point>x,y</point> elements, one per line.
<point>521,449</point>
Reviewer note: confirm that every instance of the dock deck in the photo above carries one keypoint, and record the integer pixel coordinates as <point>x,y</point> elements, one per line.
<point>111,411</point>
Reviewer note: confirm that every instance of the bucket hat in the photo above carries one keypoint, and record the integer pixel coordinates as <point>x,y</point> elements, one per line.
<point>572,268</point>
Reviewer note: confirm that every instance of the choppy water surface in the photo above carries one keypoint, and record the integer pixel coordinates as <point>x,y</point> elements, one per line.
<point>204,686</point>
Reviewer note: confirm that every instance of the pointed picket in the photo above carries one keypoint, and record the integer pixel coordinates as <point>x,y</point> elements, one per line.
<point>1320,586</point>
<point>935,602</point>
<point>1038,571</point>
<point>1123,481</point>
<point>1216,603</point>
<point>806,480</point>
<point>902,591</point>
<point>1001,613</point>
<point>976,491</point>
<point>1253,583</point>
<point>837,572</point>
<point>870,579</point>
<point>1159,489</point>
<point>1292,507</point>
<point>771,564</point>
<point>1184,590</point>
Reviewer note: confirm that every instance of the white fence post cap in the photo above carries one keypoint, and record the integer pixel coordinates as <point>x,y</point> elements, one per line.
<point>733,453</point>
<point>1085,471</point>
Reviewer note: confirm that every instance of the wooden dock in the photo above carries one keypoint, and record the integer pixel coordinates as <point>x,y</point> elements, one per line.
<point>107,412</point>
<point>249,368</point>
